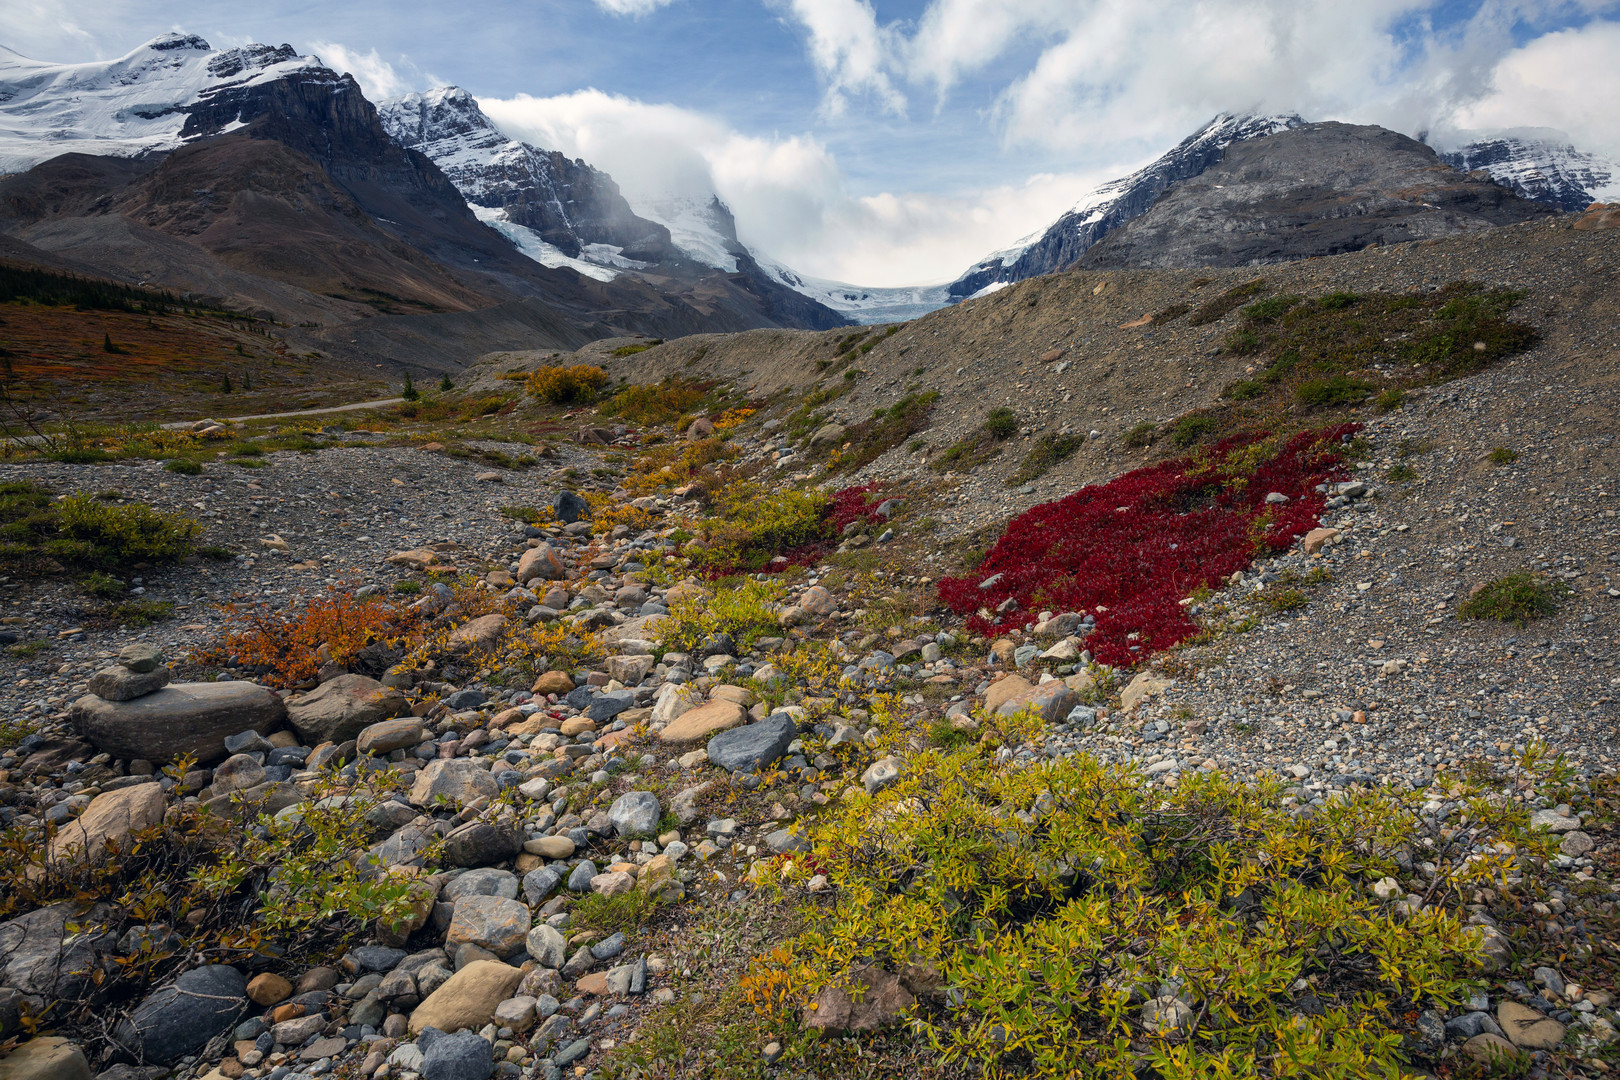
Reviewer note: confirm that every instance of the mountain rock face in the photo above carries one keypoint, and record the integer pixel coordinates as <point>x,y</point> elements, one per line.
<point>568,203</point>
<point>1114,204</point>
<point>564,213</point>
<point>1547,170</point>
<point>1316,189</point>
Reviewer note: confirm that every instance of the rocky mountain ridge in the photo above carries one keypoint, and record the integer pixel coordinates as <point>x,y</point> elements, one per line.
<point>1309,191</point>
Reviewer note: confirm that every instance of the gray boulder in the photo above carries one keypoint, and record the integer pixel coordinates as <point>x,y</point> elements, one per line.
<point>182,1017</point>
<point>635,813</point>
<point>181,718</point>
<point>340,709</point>
<point>34,959</point>
<point>479,843</point>
<point>753,747</point>
<point>569,507</point>
<point>462,1056</point>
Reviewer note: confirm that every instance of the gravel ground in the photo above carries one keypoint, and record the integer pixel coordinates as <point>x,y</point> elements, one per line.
<point>341,511</point>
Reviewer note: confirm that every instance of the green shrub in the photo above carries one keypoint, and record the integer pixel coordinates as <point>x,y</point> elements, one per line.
<point>755,526</point>
<point>1242,341</point>
<point>1140,434</point>
<point>888,428</point>
<point>647,405</point>
<point>408,587</point>
<point>139,612</point>
<point>746,611</point>
<point>1390,399</point>
<point>1271,309</point>
<point>625,913</point>
<point>1401,473</point>
<point>1339,390</point>
<point>1225,303</point>
<point>1048,900</point>
<point>1503,456</point>
<point>102,585</point>
<point>1049,450</point>
<point>247,449</point>
<point>124,534</point>
<point>184,466</point>
<point>1001,423</point>
<point>1190,429</point>
<point>1244,389</point>
<point>1516,598</point>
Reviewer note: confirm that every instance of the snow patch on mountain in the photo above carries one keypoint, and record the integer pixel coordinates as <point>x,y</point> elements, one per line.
<point>133,105</point>
<point>529,243</point>
<point>859,303</point>
<point>1540,164</point>
<point>703,229</point>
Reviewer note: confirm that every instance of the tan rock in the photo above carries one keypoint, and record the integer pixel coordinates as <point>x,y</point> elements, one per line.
<point>390,735</point>
<point>884,1000</point>
<point>1003,650</point>
<point>1528,1029</point>
<point>657,871</point>
<point>1014,689</point>
<point>415,559</point>
<point>707,720</point>
<point>1144,686</point>
<point>1488,1048</point>
<point>111,817</point>
<point>551,847</point>
<point>468,998</point>
<point>1317,539</point>
<point>593,985</point>
<point>268,988</point>
<point>553,682</point>
<point>726,692</point>
<point>541,562</point>
<point>504,717</point>
<point>614,738</point>
<point>46,1058</point>
<point>490,922</point>
<point>613,883</point>
<point>481,633</point>
<point>575,725</point>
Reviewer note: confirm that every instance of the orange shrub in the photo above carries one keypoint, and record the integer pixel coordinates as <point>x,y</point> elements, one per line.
<point>285,641</point>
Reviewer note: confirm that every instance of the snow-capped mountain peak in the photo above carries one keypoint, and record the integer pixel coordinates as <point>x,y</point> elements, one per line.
<point>1542,165</point>
<point>133,105</point>
<point>1114,203</point>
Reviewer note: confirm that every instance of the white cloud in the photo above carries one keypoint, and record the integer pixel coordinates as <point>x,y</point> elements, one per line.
<point>790,197</point>
<point>376,76</point>
<point>1111,79</point>
<point>1568,80</point>
<point>851,51</point>
<point>632,7</point>
<point>41,30</point>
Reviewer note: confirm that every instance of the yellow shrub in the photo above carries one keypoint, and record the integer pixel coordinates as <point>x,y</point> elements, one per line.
<point>575,385</point>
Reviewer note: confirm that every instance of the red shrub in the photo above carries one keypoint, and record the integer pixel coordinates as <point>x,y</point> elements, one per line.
<point>1127,551</point>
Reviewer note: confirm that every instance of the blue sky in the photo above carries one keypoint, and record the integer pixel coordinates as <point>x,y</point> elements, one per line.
<point>894,142</point>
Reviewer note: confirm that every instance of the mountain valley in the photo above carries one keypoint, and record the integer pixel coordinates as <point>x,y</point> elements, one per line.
<point>468,622</point>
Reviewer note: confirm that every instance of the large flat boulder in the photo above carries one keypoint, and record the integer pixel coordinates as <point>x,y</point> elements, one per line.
<point>181,718</point>
<point>340,709</point>
<point>110,818</point>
